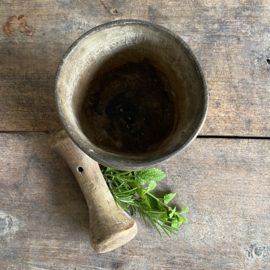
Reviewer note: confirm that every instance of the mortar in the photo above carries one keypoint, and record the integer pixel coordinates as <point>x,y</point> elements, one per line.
<point>130,94</point>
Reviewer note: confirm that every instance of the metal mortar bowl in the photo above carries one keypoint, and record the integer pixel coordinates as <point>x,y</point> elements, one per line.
<point>131,94</point>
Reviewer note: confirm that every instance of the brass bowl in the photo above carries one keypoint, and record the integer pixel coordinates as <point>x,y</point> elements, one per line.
<point>131,94</point>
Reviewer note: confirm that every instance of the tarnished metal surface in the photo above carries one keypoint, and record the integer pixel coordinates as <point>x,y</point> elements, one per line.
<point>112,44</point>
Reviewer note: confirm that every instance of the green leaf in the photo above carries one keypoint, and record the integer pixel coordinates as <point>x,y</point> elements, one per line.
<point>164,216</point>
<point>175,223</point>
<point>127,190</point>
<point>153,202</point>
<point>134,211</point>
<point>146,176</point>
<point>184,210</point>
<point>172,212</point>
<point>169,197</point>
<point>151,186</point>
<point>184,220</point>
<point>139,190</point>
<point>180,219</point>
<point>108,170</point>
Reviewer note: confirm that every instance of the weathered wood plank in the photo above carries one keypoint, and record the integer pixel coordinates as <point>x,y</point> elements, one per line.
<point>44,220</point>
<point>230,38</point>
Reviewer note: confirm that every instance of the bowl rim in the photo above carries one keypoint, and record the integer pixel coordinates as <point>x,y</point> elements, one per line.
<point>124,164</point>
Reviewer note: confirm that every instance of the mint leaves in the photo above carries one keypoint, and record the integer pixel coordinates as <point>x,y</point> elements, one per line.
<point>133,191</point>
<point>169,197</point>
<point>151,186</point>
<point>146,176</point>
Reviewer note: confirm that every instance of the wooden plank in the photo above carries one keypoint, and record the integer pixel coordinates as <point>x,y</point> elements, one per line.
<point>230,38</point>
<point>225,182</point>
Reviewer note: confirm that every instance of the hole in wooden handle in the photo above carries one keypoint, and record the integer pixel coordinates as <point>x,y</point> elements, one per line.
<point>110,226</point>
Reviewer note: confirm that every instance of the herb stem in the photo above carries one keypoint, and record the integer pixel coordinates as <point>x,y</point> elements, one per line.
<point>129,191</point>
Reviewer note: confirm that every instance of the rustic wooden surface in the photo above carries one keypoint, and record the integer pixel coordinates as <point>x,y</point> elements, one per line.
<point>230,38</point>
<point>44,217</point>
<point>225,182</point>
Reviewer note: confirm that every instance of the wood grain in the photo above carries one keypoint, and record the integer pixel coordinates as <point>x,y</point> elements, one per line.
<point>43,214</point>
<point>230,39</point>
<point>44,217</point>
<point>110,226</point>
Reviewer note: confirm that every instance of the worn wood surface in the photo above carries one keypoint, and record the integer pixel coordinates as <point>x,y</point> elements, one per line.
<point>225,182</point>
<point>230,38</point>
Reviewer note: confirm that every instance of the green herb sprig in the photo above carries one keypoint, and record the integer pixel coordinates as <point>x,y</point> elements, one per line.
<point>133,191</point>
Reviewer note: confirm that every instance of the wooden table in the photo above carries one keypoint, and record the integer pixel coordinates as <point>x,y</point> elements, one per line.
<point>224,176</point>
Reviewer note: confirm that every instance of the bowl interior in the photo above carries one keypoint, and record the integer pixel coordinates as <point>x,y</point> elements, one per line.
<point>131,94</point>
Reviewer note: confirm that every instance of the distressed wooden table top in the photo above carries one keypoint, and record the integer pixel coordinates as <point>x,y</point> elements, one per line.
<point>224,176</point>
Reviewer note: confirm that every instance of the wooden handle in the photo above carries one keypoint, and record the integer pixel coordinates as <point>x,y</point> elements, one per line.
<point>110,226</point>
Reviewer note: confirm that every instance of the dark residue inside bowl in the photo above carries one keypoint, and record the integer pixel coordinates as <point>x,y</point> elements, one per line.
<point>129,108</point>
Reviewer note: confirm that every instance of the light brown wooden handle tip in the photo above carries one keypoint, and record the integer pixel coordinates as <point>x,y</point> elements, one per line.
<point>110,226</point>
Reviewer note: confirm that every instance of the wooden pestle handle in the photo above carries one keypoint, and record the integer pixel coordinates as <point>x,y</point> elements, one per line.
<point>110,226</point>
